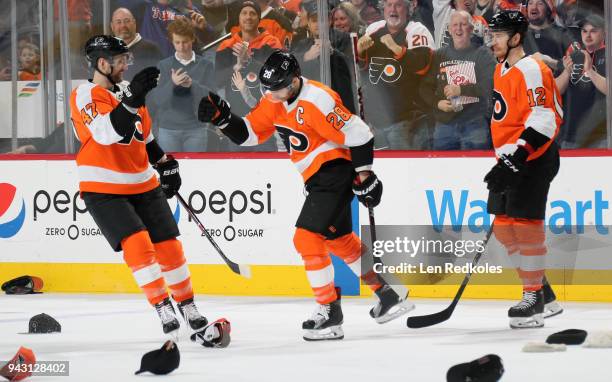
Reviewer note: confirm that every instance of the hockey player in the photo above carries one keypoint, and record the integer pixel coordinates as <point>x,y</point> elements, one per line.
<point>120,189</point>
<point>526,118</point>
<point>331,148</point>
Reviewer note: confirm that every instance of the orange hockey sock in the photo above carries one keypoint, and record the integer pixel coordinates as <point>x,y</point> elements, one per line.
<point>139,255</point>
<point>173,264</point>
<point>531,237</point>
<point>319,269</point>
<point>350,249</point>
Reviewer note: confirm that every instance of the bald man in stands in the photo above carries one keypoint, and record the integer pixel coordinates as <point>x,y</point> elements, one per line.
<point>145,52</point>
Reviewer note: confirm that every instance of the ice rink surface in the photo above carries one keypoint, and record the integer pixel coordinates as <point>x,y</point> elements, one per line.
<point>104,336</point>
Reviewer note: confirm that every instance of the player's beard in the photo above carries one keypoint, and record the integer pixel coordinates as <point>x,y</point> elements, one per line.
<point>117,77</point>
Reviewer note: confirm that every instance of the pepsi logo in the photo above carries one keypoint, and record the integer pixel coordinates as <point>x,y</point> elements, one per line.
<point>12,211</point>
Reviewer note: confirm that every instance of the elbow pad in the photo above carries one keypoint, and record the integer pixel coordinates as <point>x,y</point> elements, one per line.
<point>532,140</point>
<point>122,118</point>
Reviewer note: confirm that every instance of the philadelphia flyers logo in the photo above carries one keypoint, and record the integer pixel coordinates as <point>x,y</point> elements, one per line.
<point>138,134</point>
<point>384,68</point>
<point>293,140</point>
<point>251,79</point>
<point>500,107</point>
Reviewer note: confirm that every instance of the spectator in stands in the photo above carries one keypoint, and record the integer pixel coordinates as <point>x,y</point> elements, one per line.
<point>29,63</point>
<point>145,53</point>
<point>291,5</point>
<point>396,53</point>
<point>458,87</point>
<point>584,83</point>
<point>184,79</point>
<point>245,52</point>
<point>442,13</point>
<point>345,18</point>
<point>510,5</point>
<point>569,16</point>
<point>281,7</point>
<point>79,30</point>
<point>368,10</point>
<point>544,39</point>
<point>270,20</point>
<point>485,8</point>
<point>308,51</point>
<point>424,14</point>
<point>154,16</point>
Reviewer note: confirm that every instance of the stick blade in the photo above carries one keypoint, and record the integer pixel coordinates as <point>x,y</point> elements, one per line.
<point>239,269</point>
<point>245,270</point>
<point>417,322</point>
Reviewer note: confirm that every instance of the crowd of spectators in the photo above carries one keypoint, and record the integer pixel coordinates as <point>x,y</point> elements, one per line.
<point>424,65</point>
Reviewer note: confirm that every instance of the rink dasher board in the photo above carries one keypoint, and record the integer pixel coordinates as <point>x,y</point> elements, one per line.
<point>256,199</point>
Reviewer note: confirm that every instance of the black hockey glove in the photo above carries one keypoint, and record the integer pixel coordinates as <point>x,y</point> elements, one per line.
<point>508,171</point>
<point>142,83</point>
<point>369,191</point>
<point>169,176</point>
<point>214,109</point>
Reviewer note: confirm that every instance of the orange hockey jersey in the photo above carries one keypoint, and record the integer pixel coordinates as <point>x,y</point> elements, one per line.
<point>107,162</point>
<point>525,95</point>
<point>315,128</point>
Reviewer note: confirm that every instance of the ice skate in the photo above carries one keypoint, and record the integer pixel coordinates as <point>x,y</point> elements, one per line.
<point>551,306</point>
<point>167,315</point>
<point>190,314</point>
<point>390,305</point>
<point>325,323</point>
<point>529,312</point>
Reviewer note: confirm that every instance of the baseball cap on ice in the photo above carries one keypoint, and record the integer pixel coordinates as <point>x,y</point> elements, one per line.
<point>485,369</point>
<point>161,361</point>
<point>567,337</point>
<point>43,323</point>
<point>20,366</point>
<point>23,285</point>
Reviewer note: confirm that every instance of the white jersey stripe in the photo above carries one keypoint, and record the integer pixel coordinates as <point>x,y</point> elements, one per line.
<point>303,164</point>
<point>104,175</point>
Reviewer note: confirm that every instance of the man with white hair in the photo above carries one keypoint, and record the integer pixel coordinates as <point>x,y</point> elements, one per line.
<point>442,13</point>
<point>396,53</point>
<point>458,87</point>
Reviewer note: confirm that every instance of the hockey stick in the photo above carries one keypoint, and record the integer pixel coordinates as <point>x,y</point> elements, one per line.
<point>217,41</point>
<point>416,322</point>
<point>241,269</point>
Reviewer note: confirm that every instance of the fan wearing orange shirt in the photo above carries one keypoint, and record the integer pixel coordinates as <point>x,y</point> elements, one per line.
<point>526,119</point>
<point>121,190</point>
<point>331,148</point>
